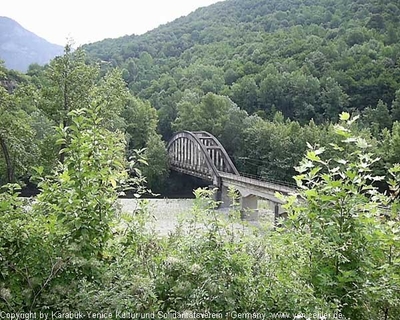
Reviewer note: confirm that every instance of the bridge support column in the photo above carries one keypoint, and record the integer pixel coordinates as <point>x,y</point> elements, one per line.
<point>278,213</point>
<point>249,208</point>
<point>225,200</point>
<point>217,194</point>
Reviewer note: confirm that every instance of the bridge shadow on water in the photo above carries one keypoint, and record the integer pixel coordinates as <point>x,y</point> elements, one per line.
<point>178,186</point>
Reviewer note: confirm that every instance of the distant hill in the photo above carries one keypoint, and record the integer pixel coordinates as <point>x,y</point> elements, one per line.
<point>19,47</point>
<point>305,58</point>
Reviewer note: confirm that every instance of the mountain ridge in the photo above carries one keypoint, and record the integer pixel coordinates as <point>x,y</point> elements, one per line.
<point>309,59</point>
<point>20,47</point>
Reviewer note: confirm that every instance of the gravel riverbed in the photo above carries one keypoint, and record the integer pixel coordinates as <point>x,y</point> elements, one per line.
<point>167,211</point>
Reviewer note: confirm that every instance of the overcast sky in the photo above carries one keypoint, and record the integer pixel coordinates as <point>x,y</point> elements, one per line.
<point>90,20</point>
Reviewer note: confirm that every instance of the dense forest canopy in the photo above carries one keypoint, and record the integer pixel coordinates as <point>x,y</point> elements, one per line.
<point>308,59</point>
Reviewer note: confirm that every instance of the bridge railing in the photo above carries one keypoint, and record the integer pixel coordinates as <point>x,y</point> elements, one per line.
<point>270,180</point>
<point>201,168</point>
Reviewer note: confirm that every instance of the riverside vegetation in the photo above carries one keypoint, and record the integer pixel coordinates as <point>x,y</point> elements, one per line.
<point>338,251</point>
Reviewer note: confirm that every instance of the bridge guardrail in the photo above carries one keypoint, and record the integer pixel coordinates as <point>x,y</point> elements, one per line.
<point>274,181</point>
<point>255,177</point>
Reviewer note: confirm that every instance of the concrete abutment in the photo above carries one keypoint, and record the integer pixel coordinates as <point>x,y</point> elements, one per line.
<point>248,204</point>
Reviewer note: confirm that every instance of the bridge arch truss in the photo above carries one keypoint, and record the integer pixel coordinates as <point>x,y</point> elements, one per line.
<point>200,154</point>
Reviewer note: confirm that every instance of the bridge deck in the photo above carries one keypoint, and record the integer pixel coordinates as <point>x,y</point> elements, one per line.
<point>258,183</point>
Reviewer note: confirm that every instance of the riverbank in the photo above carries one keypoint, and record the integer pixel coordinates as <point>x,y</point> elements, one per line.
<point>166,212</point>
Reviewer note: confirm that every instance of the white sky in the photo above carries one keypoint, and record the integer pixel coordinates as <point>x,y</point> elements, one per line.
<point>89,20</point>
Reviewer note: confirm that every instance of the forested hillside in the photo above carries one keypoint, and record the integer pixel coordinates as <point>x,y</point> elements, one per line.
<point>305,58</point>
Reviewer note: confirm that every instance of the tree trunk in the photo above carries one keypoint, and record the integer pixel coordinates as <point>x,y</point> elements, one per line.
<point>63,146</point>
<point>9,165</point>
<point>65,120</point>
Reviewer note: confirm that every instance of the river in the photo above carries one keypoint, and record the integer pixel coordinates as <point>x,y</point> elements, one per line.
<point>167,211</point>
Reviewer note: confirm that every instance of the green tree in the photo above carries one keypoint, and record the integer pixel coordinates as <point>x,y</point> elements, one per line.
<point>348,241</point>
<point>17,145</point>
<point>68,81</point>
<point>140,130</point>
<point>379,117</point>
<point>70,222</point>
<point>92,171</point>
<point>230,76</point>
<point>310,61</point>
<point>332,100</point>
<point>244,93</point>
<point>395,112</point>
<point>141,122</point>
<point>71,84</point>
<point>390,145</point>
<point>209,113</point>
<point>157,167</point>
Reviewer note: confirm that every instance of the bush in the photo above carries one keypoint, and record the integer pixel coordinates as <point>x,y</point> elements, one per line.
<point>338,251</point>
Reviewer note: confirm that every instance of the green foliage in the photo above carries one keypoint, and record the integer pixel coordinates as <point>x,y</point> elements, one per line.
<point>337,253</point>
<point>351,228</point>
<point>396,107</point>
<point>212,265</point>
<point>64,240</point>
<point>61,240</point>
<point>156,168</point>
<point>68,82</point>
<point>18,148</point>
<point>82,193</point>
<point>290,65</point>
<point>308,59</point>
<point>272,148</point>
<point>209,113</point>
<point>389,149</point>
<point>378,118</point>
<point>140,131</point>
<point>141,123</point>
<point>27,260</point>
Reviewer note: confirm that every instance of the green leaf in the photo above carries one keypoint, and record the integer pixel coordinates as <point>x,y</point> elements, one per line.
<point>60,141</point>
<point>320,150</point>
<point>362,143</point>
<point>351,174</point>
<point>39,170</point>
<point>350,140</point>
<point>311,193</point>
<point>341,161</point>
<point>143,161</point>
<point>344,116</point>
<point>315,170</point>
<point>342,130</point>
<point>311,155</point>
<point>64,177</point>
<point>354,119</point>
<point>113,182</point>
<point>336,147</point>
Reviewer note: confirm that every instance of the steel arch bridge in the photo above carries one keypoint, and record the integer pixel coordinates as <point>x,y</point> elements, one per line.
<point>200,154</point>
